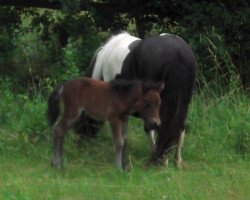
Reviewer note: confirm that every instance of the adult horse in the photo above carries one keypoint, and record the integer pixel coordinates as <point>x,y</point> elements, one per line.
<point>162,57</point>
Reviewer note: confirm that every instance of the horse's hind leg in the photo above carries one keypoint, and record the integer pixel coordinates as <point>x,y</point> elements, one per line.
<point>118,140</point>
<point>86,127</point>
<point>178,158</point>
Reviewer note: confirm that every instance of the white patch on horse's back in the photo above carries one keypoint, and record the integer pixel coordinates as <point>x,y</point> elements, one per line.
<point>111,56</point>
<point>169,34</point>
<point>162,34</point>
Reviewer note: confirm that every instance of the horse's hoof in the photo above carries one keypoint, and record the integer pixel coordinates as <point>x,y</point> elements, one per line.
<point>126,168</point>
<point>178,164</point>
<point>158,161</point>
<point>165,162</point>
<point>56,164</point>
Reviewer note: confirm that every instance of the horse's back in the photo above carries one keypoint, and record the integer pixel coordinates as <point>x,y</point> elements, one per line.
<point>156,56</point>
<point>111,56</point>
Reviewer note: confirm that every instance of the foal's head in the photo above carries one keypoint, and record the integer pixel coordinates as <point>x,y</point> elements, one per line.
<point>150,103</point>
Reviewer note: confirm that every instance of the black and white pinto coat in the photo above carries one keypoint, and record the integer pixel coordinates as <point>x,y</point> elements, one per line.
<point>162,57</point>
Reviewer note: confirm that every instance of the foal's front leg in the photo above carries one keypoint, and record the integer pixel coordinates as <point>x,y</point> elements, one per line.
<point>115,124</point>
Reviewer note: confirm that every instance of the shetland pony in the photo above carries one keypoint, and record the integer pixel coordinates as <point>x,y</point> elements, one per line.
<point>112,101</point>
<point>161,57</point>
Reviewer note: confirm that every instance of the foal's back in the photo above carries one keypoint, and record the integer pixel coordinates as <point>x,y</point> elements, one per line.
<point>85,94</point>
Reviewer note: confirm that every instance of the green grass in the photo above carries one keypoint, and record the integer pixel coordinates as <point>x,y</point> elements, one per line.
<point>216,156</point>
<point>91,174</point>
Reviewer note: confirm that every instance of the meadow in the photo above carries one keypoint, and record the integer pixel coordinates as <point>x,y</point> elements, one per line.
<point>215,152</point>
<point>42,47</point>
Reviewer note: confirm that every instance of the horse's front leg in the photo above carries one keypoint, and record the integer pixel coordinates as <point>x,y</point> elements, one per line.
<point>125,138</point>
<point>178,159</point>
<point>151,141</point>
<point>115,124</point>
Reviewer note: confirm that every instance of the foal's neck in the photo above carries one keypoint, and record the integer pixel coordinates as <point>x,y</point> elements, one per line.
<point>134,99</point>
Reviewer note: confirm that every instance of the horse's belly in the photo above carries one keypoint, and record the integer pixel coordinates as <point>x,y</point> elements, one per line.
<point>96,115</point>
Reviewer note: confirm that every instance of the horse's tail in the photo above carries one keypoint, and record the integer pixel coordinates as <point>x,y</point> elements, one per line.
<point>54,105</point>
<point>90,70</point>
<point>86,126</point>
<point>179,86</point>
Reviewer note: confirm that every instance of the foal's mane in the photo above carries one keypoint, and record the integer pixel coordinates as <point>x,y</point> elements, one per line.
<point>123,87</point>
<point>150,85</point>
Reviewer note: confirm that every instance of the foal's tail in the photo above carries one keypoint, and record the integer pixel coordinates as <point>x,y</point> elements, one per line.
<point>54,105</point>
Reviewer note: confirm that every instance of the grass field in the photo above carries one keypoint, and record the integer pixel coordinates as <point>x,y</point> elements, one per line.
<point>216,156</point>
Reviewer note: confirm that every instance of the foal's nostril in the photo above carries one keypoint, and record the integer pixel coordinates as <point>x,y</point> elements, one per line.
<point>156,121</point>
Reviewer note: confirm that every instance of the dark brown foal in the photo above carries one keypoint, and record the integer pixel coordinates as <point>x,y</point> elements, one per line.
<point>113,101</point>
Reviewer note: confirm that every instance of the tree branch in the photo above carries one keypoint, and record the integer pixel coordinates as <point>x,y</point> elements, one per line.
<point>32,3</point>
<point>103,7</point>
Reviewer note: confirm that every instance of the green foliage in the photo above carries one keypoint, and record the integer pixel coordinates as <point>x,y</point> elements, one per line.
<point>9,27</point>
<point>218,124</point>
<point>215,65</point>
<point>228,20</point>
<point>217,31</point>
<point>23,115</point>
<point>71,70</point>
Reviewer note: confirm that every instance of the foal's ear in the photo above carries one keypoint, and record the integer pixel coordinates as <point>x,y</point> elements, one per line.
<point>161,86</point>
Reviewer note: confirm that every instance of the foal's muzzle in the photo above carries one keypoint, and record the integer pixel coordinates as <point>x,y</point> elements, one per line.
<point>156,122</point>
<point>153,125</point>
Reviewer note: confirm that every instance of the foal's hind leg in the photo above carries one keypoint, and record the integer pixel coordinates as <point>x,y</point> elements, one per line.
<point>58,138</point>
<point>59,131</point>
<point>178,159</point>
